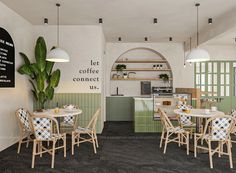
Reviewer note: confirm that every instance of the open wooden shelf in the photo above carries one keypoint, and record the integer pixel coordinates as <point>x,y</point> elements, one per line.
<point>142,61</point>
<point>138,79</point>
<point>143,69</point>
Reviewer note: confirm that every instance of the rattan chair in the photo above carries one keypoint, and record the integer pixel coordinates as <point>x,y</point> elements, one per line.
<point>217,129</point>
<point>89,130</point>
<point>187,123</point>
<point>23,117</point>
<point>233,130</point>
<point>43,130</point>
<point>169,131</point>
<point>69,121</point>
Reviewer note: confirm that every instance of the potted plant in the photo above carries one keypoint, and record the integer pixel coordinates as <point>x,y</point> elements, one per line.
<point>164,77</point>
<point>41,75</point>
<point>120,67</point>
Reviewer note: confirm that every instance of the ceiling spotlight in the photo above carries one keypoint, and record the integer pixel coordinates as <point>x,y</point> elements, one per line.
<point>100,20</point>
<point>119,38</point>
<point>210,21</point>
<point>170,38</point>
<point>155,20</point>
<point>146,39</point>
<point>45,21</point>
<point>235,40</point>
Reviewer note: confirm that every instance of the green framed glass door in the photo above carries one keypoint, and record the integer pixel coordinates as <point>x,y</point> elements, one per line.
<point>216,79</point>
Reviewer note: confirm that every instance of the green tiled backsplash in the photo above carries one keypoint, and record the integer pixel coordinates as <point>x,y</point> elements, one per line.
<point>87,102</point>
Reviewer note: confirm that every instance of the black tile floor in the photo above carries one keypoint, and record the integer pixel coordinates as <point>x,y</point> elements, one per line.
<point>120,151</point>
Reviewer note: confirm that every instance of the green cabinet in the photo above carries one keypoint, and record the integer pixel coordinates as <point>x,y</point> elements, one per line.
<point>119,108</point>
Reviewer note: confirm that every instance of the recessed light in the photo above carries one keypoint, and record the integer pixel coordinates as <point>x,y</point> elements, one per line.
<point>45,21</point>
<point>170,38</point>
<point>119,38</point>
<point>210,21</point>
<point>146,39</point>
<point>155,20</point>
<point>100,20</point>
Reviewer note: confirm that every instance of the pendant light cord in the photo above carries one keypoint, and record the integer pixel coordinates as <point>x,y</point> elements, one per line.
<point>197,5</point>
<point>58,13</point>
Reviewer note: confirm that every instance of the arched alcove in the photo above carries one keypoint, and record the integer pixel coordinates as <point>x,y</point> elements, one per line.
<point>142,64</point>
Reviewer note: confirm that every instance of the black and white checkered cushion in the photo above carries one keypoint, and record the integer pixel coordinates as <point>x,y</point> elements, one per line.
<point>233,113</point>
<point>42,128</point>
<point>220,128</point>
<point>69,120</point>
<point>185,120</point>
<point>24,118</point>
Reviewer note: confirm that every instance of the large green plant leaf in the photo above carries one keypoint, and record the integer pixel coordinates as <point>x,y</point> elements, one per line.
<point>49,92</point>
<point>25,69</point>
<point>49,66</point>
<point>35,94</point>
<point>41,53</point>
<point>41,97</point>
<point>25,58</point>
<point>55,78</point>
<point>40,82</point>
<point>34,68</point>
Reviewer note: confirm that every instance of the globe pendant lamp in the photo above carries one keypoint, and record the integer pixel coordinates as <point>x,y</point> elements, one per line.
<point>57,54</point>
<point>197,54</point>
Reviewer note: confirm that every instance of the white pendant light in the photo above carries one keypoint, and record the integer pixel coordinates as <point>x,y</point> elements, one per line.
<point>197,54</point>
<point>58,54</point>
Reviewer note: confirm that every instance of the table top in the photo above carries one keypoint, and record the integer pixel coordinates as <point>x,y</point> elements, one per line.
<point>199,113</point>
<point>61,113</point>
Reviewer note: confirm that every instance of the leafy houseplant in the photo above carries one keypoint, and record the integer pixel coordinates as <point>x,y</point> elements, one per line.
<point>41,76</point>
<point>120,67</point>
<point>164,77</point>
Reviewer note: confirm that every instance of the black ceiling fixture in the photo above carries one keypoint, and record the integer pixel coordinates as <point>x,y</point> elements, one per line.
<point>119,38</point>
<point>155,20</point>
<point>170,38</point>
<point>210,21</point>
<point>100,20</point>
<point>235,39</point>
<point>45,21</point>
<point>146,39</point>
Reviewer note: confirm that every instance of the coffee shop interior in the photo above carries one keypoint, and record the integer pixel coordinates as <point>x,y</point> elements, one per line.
<point>118,86</point>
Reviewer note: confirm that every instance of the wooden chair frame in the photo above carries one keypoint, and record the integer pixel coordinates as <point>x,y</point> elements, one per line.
<point>220,148</point>
<point>89,130</point>
<point>39,149</point>
<point>24,133</point>
<point>189,127</point>
<point>169,130</point>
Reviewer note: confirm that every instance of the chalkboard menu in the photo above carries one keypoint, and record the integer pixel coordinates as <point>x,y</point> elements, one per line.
<point>7,60</point>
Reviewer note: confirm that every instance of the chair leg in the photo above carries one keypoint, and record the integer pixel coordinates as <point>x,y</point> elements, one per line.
<point>94,145</point>
<point>96,139</point>
<point>195,145</point>
<point>72,142</point>
<point>228,143</point>
<point>179,136</point>
<point>166,141</point>
<point>64,142</point>
<point>40,148</point>
<point>19,145</point>
<point>34,153</point>
<point>187,142</point>
<point>210,154</point>
<point>78,140</point>
<point>162,136</point>
<point>27,144</point>
<point>53,153</point>
<point>219,147</point>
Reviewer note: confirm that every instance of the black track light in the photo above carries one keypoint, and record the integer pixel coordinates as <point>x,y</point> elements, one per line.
<point>146,39</point>
<point>155,20</point>
<point>210,21</point>
<point>170,38</point>
<point>100,20</point>
<point>45,20</point>
<point>119,38</point>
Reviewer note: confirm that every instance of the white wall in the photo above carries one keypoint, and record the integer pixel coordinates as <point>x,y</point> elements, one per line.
<point>221,52</point>
<point>13,98</point>
<point>173,52</point>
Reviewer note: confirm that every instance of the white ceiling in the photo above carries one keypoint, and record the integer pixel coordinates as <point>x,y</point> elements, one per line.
<point>130,19</point>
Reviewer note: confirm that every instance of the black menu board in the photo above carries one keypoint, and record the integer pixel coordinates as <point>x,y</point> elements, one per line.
<point>7,60</point>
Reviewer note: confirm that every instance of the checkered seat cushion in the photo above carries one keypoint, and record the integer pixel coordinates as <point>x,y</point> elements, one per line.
<point>83,129</point>
<point>220,128</point>
<point>70,119</point>
<point>24,115</point>
<point>177,130</point>
<point>186,120</point>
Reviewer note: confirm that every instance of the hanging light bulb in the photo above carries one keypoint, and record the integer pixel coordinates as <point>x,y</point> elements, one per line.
<point>197,54</point>
<point>184,56</point>
<point>58,54</point>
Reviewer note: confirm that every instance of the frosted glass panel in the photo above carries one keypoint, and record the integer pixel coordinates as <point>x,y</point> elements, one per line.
<point>215,90</point>
<point>209,67</point>
<point>227,79</point>
<point>203,89</point>
<point>222,91</point>
<point>203,79</point>
<point>203,67</point>
<point>227,69</point>
<point>222,79</point>
<point>209,90</point>
<point>215,67</point>
<point>198,82</point>
<point>197,67</point>
<point>227,91</point>
<point>222,67</point>
<point>215,79</point>
<point>209,79</point>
